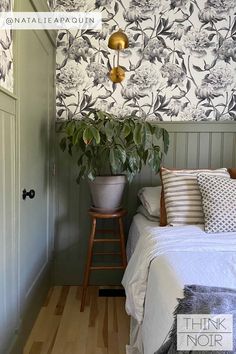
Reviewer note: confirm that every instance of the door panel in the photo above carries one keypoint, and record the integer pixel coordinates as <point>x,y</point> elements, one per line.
<point>35,88</point>
<point>34,156</point>
<point>8,283</point>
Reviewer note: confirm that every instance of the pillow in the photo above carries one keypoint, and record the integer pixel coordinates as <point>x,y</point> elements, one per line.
<point>163,216</point>
<point>143,211</point>
<point>150,199</point>
<point>182,196</point>
<point>219,202</point>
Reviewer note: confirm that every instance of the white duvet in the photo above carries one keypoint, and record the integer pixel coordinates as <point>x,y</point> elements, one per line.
<point>175,247</point>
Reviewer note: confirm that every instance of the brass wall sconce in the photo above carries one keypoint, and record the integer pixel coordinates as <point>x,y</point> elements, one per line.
<point>118,41</point>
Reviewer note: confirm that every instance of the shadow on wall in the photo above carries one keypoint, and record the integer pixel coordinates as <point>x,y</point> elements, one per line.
<point>71,227</point>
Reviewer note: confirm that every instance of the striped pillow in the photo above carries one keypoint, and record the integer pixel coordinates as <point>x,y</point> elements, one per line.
<point>182,195</point>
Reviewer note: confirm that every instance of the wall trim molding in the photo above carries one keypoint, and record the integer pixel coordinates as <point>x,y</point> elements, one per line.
<point>188,127</point>
<point>8,102</point>
<point>8,93</point>
<point>41,6</point>
<point>196,127</point>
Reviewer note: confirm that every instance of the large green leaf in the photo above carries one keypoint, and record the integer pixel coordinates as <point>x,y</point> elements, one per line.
<point>81,173</point>
<point>147,137</point>
<point>121,153</point>
<point>87,135</point>
<point>96,134</point>
<point>126,130</point>
<point>70,128</point>
<point>109,130</point>
<point>63,143</point>
<point>113,161</point>
<point>100,115</point>
<point>76,136</point>
<point>138,134</point>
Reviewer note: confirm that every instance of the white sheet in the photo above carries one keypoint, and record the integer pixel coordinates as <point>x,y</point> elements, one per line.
<point>137,229</point>
<point>178,256</point>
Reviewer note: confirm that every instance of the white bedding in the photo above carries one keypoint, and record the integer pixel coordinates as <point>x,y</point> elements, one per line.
<point>166,259</point>
<point>137,229</point>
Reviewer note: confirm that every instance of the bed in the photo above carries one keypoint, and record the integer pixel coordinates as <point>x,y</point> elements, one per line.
<point>162,260</point>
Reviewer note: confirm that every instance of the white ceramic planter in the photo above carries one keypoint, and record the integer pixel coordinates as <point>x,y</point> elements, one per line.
<point>107,192</point>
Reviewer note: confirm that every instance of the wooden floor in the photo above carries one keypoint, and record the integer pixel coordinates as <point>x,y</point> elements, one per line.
<point>103,327</point>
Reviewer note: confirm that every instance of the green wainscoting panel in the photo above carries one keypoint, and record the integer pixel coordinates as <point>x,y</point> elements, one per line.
<point>8,253</point>
<point>192,145</point>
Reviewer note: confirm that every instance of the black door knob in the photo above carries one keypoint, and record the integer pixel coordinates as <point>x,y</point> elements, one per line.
<point>30,194</point>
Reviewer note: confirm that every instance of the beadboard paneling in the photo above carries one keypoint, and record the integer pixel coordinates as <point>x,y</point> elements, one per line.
<point>191,146</point>
<point>8,258</point>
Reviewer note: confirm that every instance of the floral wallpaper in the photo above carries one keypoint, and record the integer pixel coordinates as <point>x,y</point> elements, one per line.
<point>180,64</point>
<point>6,52</point>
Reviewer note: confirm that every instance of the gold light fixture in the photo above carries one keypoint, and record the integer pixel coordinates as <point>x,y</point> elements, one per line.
<point>118,41</point>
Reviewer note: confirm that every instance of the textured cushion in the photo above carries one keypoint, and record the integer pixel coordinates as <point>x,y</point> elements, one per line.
<point>182,195</point>
<point>219,202</point>
<point>150,199</point>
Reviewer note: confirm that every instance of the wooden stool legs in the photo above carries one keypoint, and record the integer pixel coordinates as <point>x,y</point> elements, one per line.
<point>120,240</point>
<point>88,265</point>
<point>122,243</point>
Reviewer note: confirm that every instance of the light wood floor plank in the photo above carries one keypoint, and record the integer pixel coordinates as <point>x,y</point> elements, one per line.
<point>73,325</point>
<point>112,327</point>
<point>62,300</point>
<point>46,324</point>
<point>36,348</point>
<point>103,327</point>
<point>123,324</point>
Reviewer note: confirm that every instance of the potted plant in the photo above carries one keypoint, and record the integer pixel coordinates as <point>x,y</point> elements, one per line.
<point>111,150</point>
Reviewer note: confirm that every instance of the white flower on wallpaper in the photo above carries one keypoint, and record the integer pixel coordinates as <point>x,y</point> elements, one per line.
<point>197,42</point>
<point>180,64</point>
<point>71,5</point>
<point>72,76</point>
<point>222,5</point>
<point>175,75</point>
<point>6,52</point>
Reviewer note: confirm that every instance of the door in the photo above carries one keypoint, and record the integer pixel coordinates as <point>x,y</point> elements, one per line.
<point>8,256</point>
<point>35,69</point>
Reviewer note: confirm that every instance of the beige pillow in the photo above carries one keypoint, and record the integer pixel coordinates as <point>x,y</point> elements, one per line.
<point>182,195</point>
<point>150,199</point>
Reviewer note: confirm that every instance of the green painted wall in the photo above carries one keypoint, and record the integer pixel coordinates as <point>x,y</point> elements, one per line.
<point>192,145</point>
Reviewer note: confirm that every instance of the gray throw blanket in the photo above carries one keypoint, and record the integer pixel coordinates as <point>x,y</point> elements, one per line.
<point>201,300</point>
